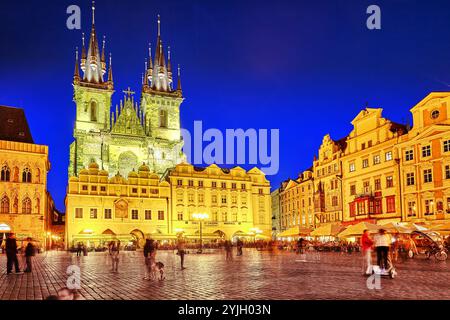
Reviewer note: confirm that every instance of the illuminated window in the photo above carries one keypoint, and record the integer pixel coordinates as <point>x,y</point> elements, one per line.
<point>5,174</point>
<point>26,206</point>
<point>427,175</point>
<point>410,179</point>
<point>163,118</point>
<point>426,151</point>
<point>4,206</point>
<point>79,213</point>
<point>26,175</point>
<point>388,156</point>
<point>409,155</point>
<point>389,182</point>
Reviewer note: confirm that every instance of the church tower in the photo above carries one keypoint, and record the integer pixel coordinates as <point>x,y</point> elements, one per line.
<point>92,96</point>
<point>160,102</point>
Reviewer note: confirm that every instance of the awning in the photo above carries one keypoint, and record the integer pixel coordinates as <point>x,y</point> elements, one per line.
<point>327,230</point>
<point>294,232</point>
<point>358,229</point>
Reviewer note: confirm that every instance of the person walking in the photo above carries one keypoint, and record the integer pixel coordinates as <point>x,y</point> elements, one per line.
<point>228,250</point>
<point>181,252</point>
<point>149,256</point>
<point>79,249</point>
<point>30,251</point>
<point>11,254</point>
<point>382,243</point>
<point>114,249</point>
<point>366,245</point>
<point>239,245</point>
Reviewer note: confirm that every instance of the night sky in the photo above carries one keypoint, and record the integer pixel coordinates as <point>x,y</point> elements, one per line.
<point>305,67</point>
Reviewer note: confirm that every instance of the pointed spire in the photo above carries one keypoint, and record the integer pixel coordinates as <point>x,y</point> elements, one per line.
<point>93,68</point>
<point>150,56</point>
<point>110,73</point>
<point>169,64</point>
<point>83,49</point>
<point>103,49</point>
<point>179,79</point>
<point>76,73</point>
<point>159,25</point>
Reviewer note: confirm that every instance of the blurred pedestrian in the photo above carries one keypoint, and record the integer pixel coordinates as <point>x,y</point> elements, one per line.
<point>228,250</point>
<point>181,251</point>
<point>114,248</point>
<point>239,245</point>
<point>29,253</point>
<point>366,245</point>
<point>149,256</point>
<point>382,243</point>
<point>11,254</point>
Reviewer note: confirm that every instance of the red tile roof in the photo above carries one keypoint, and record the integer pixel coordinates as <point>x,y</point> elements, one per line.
<point>14,125</point>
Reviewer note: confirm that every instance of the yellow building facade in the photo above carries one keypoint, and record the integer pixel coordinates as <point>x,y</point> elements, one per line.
<point>328,183</point>
<point>425,161</point>
<point>371,168</point>
<point>297,202</point>
<point>23,179</point>
<point>99,208</point>
<point>237,202</point>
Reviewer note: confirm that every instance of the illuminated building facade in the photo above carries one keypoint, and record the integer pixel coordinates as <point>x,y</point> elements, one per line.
<point>24,201</point>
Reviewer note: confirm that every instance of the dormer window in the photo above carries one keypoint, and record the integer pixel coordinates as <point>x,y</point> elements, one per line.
<point>434,114</point>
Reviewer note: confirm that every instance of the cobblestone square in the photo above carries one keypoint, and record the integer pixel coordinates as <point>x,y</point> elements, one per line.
<point>255,275</point>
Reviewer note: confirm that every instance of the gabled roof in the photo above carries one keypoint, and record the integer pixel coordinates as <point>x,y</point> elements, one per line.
<point>14,125</point>
<point>431,96</point>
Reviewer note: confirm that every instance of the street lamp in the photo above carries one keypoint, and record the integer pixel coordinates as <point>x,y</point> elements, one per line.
<point>200,217</point>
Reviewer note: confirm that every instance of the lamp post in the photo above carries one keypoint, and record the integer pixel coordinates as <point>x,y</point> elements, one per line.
<point>200,217</point>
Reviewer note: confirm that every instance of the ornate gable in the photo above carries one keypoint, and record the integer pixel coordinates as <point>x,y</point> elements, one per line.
<point>128,120</point>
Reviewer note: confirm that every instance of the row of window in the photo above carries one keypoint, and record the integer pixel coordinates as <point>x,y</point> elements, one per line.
<point>429,207</point>
<point>427,176</point>
<point>376,160</point>
<point>5,174</point>
<point>330,169</point>
<point>133,190</point>
<point>372,206</point>
<point>107,214</point>
<point>367,187</point>
<point>201,198</point>
<point>293,192</point>
<point>223,185</point>
<point>5,206</point>
<point>426,151</point>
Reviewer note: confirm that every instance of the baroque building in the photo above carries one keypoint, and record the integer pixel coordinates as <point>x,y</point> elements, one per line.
<point>381,171</point>
<point>296,202</point>
<point>24,200</point>
<point>120,139</point>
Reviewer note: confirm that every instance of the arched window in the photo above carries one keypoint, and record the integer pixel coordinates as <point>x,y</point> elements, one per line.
<point>26,206</point>
<point>5,174</point>
<point>93,111</point>
<point>16,174</point>
<point>38,175</point>
<point>163,118</point>
<point>26,175</point>
<point>4,206</point>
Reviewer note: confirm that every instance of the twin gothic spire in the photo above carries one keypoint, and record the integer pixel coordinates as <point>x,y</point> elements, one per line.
<point>158,73</point>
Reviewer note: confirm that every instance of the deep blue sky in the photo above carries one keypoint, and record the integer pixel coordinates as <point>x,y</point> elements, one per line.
<point>305,67</point>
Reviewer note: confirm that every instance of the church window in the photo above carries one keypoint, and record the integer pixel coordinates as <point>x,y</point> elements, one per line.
<point>93,111</point>
<point>4,208</point>
<point>434,114</point>
<point>5,175</point>
<point>108,213</point>
<point>26,175</point>
<point>79,213</point>
<point>26,206</point>
<point>163,118</point>
<point>93,214</point>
